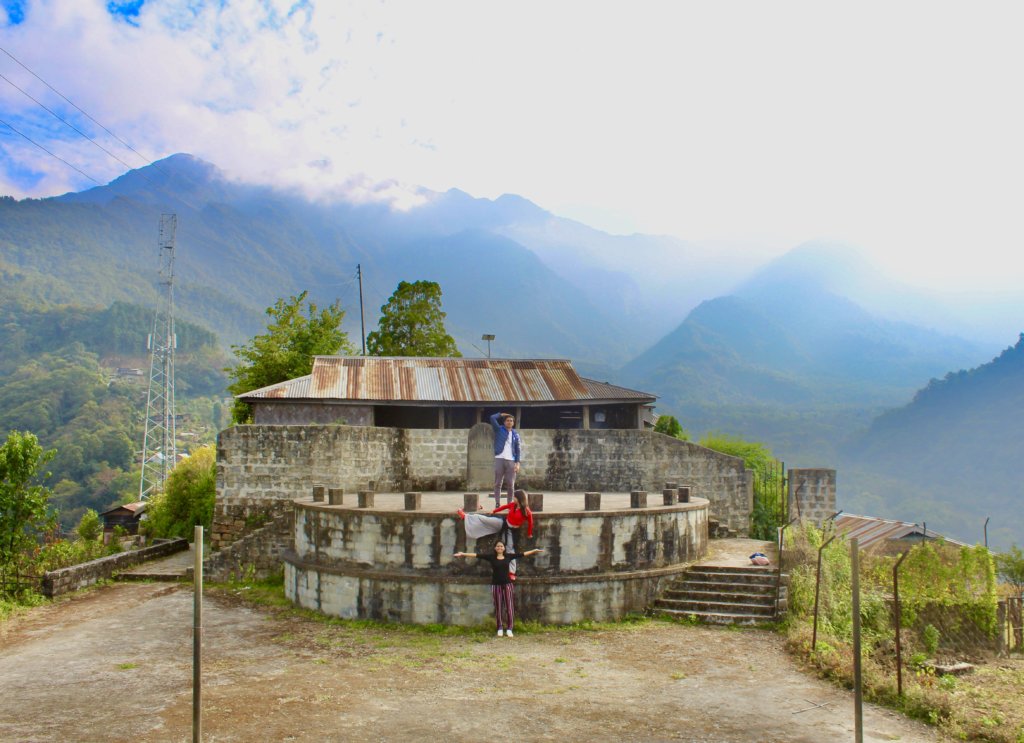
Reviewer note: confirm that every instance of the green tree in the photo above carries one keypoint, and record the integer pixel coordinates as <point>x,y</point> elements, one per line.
<point>23,511</point>
<point>668,425</point>
<point>89,527</point>
<point>767,513</point>
<point>1010,565</point>
<point>412,324</point>
<point>295,334</point>
<point>188,498</point>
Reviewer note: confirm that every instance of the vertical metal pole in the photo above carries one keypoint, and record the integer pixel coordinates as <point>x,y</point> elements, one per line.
<point>899,621</point>
<point>362,311</point>
<point>986,531</point>
<point>858,691</point>
<point>817,587</point>
<point>197,637</point>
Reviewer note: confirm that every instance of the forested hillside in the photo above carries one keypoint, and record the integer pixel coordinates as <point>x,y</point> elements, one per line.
<point>58,379</point>
<point>956,448</point>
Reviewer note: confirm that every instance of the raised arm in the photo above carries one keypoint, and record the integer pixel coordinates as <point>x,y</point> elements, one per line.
<point>528,553</point>
<point>464,554</point>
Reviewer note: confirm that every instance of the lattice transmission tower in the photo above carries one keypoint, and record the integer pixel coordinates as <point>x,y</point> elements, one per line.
<point>159,450</point>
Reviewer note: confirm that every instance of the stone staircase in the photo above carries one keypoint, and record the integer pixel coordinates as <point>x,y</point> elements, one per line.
<point>719,594</point>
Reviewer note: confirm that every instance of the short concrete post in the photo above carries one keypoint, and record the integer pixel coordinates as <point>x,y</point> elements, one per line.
<point>684,494</point>
<point>591,501</point>
<point>638,499</point>
<point>366,499</point>
<point>672,485</point>
<point>535,502</point>
<point>335,496</point>
<point>318,493</point>
<point>670,496</point>
<point>413,501</point>
<point>470,502</point>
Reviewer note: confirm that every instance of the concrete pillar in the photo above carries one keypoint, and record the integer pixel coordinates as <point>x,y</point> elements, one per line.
<point>684,493</point>
<point>812,494</point>
<point>669,496</point>
<point>672,485</point>
<point>336,496</point>
<point>591,501</point>
<point>586,417</point>
<point>638,499</point>
<point>470,502</point>
<point>366,498</point>
<point>535,501</point>
<point>318,493</point>
<point>413,501</point>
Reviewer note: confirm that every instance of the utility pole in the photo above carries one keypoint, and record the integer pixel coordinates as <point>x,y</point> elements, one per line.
<point>159,448</point>
<point>362,311</point>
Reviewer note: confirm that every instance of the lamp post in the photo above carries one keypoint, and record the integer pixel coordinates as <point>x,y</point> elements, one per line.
<point>488,337</point>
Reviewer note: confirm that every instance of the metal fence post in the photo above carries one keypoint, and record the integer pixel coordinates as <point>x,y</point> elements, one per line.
<point>898,621</point>
<point>858,690</point>
<point>197,637</point>
<point>817,588</point>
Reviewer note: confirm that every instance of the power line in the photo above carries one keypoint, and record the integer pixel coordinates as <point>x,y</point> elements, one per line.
<point>50,153</point>
<point>71,103</point>
<point>69,124</point>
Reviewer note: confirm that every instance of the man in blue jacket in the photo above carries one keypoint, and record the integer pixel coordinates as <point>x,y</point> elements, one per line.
<point>507,449</point>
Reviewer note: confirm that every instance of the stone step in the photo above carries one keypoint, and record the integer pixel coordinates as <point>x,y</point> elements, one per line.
<point>720,586</point>
<point>765,611</point>
<point>711,617</point>
<point>738,596</point>
<point>699,575</point>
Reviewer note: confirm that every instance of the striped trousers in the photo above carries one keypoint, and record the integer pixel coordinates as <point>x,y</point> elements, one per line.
<point>504,604</point>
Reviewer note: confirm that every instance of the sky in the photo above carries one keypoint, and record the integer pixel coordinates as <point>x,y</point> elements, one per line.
<point>893,126</point>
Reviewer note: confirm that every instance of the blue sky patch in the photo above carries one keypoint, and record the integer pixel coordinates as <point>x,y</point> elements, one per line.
<point>127,10</point>
<point>15,10</point>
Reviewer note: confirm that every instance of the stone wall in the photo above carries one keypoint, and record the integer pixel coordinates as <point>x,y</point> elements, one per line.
<point>256,555</point>
<point>265,463</point>
<point>399,566</point>
<point>812,494</point>
<point>65,580</point>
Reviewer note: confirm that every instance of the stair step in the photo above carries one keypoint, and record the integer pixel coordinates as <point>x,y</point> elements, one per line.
<point>738,597</point>
<point>721,607</point>
<point>712,617</point>
<point>684,584</point>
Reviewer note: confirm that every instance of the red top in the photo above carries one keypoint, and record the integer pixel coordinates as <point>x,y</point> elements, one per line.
<point>516,518</point>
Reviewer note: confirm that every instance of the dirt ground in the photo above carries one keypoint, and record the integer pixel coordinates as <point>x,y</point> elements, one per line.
<point>114,664</point>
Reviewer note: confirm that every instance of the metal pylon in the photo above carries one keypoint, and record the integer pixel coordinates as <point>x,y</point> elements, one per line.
<point>159,451</point>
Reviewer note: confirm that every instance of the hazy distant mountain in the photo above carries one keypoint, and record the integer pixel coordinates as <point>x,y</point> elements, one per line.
<point>956,449</point>
<point>239,248</point>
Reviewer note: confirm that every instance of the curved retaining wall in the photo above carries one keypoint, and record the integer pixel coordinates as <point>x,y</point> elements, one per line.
<point>398,565</point>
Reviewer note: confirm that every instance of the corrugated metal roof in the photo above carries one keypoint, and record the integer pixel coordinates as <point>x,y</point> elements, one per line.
<point>417,379</point>
<point>868,529</point>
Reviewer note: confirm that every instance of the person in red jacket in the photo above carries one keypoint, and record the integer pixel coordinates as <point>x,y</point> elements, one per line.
<point>502,588</point>
<point>508,524</point>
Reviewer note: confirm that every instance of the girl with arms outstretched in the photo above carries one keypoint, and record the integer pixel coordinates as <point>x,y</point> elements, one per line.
<point>502,588</point>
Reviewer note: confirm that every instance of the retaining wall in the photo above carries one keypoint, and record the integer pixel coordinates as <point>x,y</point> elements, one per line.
<point>65,580</point>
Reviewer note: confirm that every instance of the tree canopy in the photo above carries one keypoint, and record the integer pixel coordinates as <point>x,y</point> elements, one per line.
<point>412,324</point>
<point>670,426</point>
<point>297,332</point>
<point>23,505</point>
<point>188,498</point>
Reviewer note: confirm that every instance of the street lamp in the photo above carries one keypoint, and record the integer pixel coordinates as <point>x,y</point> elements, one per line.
<point>488,337</point>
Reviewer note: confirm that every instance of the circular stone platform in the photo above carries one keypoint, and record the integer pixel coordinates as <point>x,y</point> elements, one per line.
<point>387,563</point>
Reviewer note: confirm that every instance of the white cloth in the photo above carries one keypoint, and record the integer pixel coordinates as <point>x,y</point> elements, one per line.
<point>480,525</point>
<point>506,453</point>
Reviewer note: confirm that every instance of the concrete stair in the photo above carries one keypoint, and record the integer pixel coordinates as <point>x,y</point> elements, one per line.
<point>722,595</point>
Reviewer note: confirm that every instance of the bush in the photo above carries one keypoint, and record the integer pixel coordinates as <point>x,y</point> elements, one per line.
<point>188,497</point>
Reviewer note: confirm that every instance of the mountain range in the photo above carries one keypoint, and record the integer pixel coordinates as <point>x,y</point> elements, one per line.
<point>802,352</point>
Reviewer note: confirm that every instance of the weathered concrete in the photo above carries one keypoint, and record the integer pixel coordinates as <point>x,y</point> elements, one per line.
<point>812,494</point>
<point>65,580</point>
<point>398,565</point>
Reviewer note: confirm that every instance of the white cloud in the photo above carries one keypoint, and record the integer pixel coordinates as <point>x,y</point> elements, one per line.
<point>894,125</point>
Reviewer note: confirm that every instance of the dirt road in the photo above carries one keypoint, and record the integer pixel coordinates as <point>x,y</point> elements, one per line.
<point>114,664</point>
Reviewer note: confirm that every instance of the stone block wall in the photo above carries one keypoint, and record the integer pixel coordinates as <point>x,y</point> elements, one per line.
<point>65,580</point>
<point>257,554</point>
<point>266,463</point>
<point>812,494</point>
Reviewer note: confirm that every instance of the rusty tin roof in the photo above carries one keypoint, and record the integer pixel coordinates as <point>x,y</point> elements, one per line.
<point>868,529</point>
<point>454,380</point>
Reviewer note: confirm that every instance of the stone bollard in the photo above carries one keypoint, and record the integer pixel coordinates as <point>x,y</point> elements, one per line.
<point>470,502</point>
<point>413,501</point>
<point>318,493</point>
<point>672,485</point>
<point>670,496</point>
<point>535,502</point>
<point>684,494</point>
<point>335,496</point>
<point>591,501</point>
<point>638,499</point>
<point>366,499</point>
